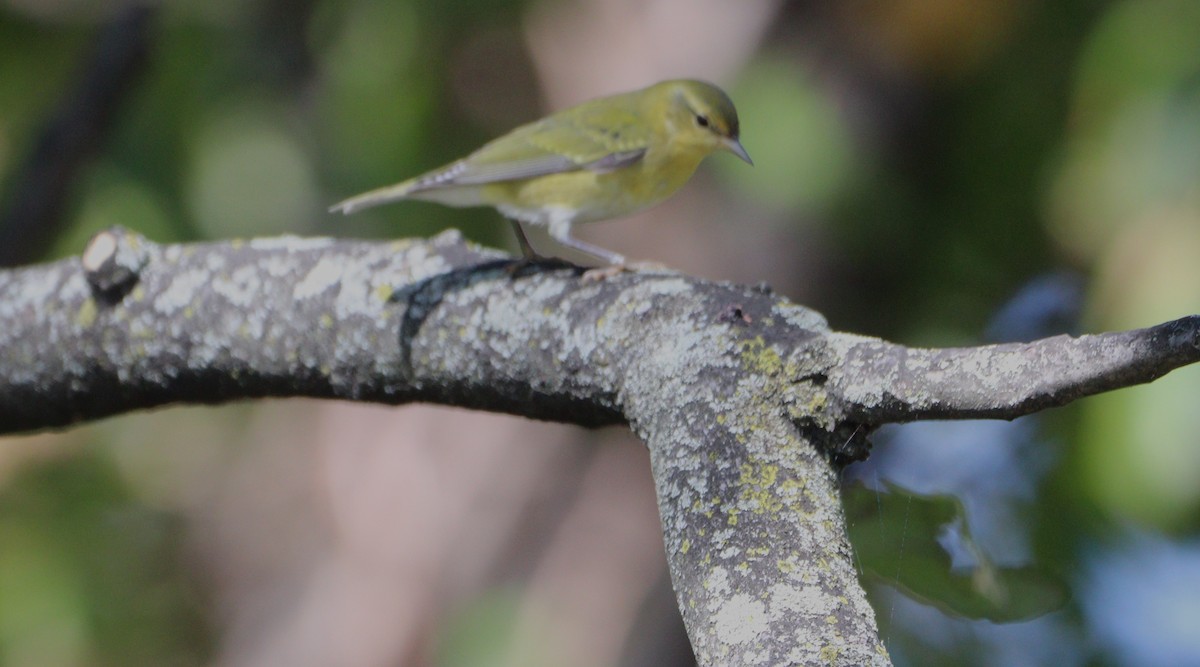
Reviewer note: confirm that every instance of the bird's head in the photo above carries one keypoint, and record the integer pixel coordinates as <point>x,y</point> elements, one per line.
<point>702,116</point>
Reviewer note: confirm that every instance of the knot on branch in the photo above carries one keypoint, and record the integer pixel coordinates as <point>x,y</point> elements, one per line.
<point>113,260</point>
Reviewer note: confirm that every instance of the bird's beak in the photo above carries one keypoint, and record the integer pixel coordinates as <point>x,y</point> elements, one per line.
<point>734,146</point>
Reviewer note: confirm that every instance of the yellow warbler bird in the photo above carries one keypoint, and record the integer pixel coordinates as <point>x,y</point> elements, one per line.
<point>603,159</point>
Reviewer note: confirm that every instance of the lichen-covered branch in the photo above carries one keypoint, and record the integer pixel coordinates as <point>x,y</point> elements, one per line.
<point>1003,381</point>
<point>746,401</point>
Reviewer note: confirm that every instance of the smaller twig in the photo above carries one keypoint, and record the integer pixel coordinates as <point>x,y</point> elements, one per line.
<point>1003,381</point>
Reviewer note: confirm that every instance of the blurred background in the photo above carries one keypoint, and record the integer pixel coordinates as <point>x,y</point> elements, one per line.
<point>931,171</point>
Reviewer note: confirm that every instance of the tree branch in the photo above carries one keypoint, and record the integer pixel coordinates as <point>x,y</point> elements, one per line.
<point>1003,381</point>
<point>746,401</point>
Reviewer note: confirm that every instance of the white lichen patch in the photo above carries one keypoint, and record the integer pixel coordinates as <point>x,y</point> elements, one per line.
<point>291,243</point>
<point>181,292</point>
<point>252,328</point>
<point>416,262</point>
<point>447,238</point>
<point>25,292</point>
<point>740,620</point>
<point>801,317</point>
<point>717,583</point>
<point>242,288</point>
<point>667,286</point>
<point>729,553</point>
<point>206,352</point>
<point>788,600</point>
<point>277,266</point>
<point>73,288</point>
<point>325,275</point>
<point>215,262</point>
<point>545,290</point>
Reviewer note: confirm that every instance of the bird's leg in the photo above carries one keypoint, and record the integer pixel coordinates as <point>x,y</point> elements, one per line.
<point>529,257</point>
<point>526,250</point>
<point>561,230</point>
<point>528,254</point>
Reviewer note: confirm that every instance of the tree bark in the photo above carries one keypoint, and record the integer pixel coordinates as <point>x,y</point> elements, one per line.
<point>748,403</point>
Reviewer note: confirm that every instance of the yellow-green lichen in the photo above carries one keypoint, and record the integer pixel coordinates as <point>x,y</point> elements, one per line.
<point>685,547</point>
<point>817,402</point>
<point>830,654</point>
<point>86,316</point>
<point>756,354</point>
<point>761,475</point>
<point>384,293</point>
<point>792,493</point>
<point>325,321</point>
<point>756,487</point>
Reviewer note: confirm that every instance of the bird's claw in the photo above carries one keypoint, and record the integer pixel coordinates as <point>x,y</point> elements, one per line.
<point>609,272</point>
<point>527,266</point>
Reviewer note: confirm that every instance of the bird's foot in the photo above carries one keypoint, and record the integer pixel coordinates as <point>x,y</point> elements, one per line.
<point>609,272</point>
<point>528,266</point>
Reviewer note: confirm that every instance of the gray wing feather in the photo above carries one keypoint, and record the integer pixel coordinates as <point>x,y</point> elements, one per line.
<point>464,172</point>
<point>615,161</point>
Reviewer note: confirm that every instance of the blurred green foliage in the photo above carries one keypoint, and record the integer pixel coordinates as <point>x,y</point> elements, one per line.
<point>896,536</point>
<point>90,575</point>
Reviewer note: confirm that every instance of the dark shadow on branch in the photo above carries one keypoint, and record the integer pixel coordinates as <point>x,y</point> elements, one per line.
<point>421,297</point>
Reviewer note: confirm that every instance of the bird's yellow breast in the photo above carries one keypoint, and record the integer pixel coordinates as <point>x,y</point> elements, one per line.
<point>592,195</point>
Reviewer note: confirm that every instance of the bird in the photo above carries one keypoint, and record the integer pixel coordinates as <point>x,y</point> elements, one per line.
<point>605,158</point>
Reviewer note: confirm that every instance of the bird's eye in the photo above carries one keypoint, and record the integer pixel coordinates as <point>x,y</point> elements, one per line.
<point>702,120</point>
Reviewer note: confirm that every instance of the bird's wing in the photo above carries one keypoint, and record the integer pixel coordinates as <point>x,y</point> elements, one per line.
<point>568,141</point>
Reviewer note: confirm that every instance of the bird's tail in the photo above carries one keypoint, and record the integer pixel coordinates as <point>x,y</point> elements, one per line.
<point>375,197</point>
